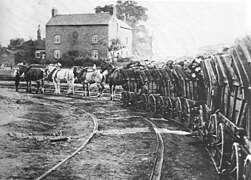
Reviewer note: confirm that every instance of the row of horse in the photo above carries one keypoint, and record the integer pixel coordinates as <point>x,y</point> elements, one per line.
<point>107,73</point>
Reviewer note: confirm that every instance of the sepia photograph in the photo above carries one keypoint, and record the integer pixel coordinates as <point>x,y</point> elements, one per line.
<point>125,90</point>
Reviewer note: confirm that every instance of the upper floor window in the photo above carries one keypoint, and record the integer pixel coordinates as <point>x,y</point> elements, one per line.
<point>57,54</point>
<point>94,39</point>
<point>95,54</point>
<point>57,39</point>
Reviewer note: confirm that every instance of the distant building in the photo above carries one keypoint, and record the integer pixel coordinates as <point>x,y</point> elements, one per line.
<point>142,41</point>
<point>39,46</point>
<point>84,35</point>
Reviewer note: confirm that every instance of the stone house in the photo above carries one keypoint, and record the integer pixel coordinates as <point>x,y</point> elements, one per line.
<point>86,35</point>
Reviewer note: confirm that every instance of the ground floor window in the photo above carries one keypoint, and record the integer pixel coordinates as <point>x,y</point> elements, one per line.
<point>37,54</point>
<point>57,54</point>
<point>95,54</point>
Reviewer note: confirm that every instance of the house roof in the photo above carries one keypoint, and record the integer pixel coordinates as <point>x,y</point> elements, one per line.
<point>124,25</point>
<point>80,19</point>
<point>40,45</point>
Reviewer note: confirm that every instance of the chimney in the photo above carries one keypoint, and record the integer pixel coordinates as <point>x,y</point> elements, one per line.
<point>54,12</point>
<point>38,33</point>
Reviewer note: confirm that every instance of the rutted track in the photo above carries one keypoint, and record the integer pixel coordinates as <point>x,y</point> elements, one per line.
<point>130,149</point>
<point>156,170</point>
<point>157,165</point>
<point>94,131</point>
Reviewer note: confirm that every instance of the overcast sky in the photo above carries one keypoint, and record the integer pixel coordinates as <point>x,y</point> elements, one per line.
<point>179,27</point>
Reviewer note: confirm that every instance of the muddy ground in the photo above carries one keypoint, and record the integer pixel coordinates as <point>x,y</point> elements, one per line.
<point>38,131</point>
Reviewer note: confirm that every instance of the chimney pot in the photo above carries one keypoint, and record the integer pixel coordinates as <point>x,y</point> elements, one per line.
<point>38,33</point>
<point>54,12</point>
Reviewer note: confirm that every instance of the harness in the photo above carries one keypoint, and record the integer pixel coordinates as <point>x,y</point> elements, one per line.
<point>50,74</point>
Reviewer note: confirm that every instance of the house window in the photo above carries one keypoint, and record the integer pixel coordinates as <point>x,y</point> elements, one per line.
<point>94,39</point>
<point>57,54</point>
<point>57,39</point>
<point>37,54</point>
<point>43,55</point>
<point>95,54</point>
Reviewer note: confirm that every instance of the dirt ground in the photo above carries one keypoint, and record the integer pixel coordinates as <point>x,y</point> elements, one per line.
<point>31,126</point>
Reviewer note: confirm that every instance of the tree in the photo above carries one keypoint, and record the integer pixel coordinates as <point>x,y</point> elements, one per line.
<point>25,52</point>
<point>132,13</point>
<point>106,8</point>
<point>113,47</point>
<point>127,9</point>
<point>16,44</point>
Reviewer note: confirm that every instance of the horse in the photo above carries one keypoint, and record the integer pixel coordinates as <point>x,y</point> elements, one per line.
<point>122,77</point>
<point>117,77</point>
<point>57,75</point>
<point>30,74</point>
<point>90,76</point>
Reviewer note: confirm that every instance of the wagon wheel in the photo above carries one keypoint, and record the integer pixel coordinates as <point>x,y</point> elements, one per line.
<point>169,107</point>
<point>130,98</point>
<point>125,99</point>
<point>143,100</point>
<point>218,150</point>
<point>186,117</point>
<point>192,116</point>
<point>161,105</point>
<point>199,123</point>
<point>152,104</point>
<point>134,100</point>
<point>212,130</point>
<point>247,168</point>
<point>178,109</point>
<point>235,169</point>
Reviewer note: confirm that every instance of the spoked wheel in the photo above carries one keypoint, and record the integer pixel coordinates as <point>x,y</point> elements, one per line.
<point>130,97</point>
<point>218,150</point>
<point>152,104</point>
<point>161,105</point>
<point>143,100</point>
<point>199,124</point>
<point>235,169</point>
<point>186,113</point>
<point>247,168</point>
<point>212,131</point>
<point>133,99</point>
<point>125,99</point>
<point>178,109</point>
<point>169,108</point>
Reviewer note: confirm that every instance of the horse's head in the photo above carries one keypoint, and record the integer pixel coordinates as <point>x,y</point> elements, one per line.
<point>50,68</point>
<point>105,66</point>
<point>22,69</point>
<point>82,74</point>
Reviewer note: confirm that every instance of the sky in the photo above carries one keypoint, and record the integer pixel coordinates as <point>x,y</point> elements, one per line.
<point>179,27</point>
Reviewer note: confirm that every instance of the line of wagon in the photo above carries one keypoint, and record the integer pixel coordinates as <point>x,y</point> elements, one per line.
<point>210,96</point>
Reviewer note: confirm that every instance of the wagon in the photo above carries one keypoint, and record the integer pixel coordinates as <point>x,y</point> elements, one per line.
<point>226,120</point>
